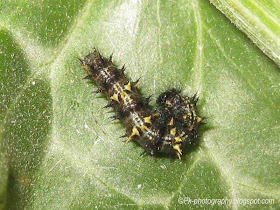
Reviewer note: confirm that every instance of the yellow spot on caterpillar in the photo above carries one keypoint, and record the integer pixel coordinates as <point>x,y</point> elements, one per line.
<point>179,156</point>
<point>144,128</point>
<point>191,128</point>
<point>135,132</point>
<point>148,119</point>
<point>115,97</point>
<point>199,119</point>
<point>178,139</point>
<point>171,122</point>
<point>123,95</point>
<point>128,86</point>
<point>86,67</point>
<point>178,150</point>
<point>194,114</point>
<point>168,102</point>
<point>173,131</point>
<point>185,116</point>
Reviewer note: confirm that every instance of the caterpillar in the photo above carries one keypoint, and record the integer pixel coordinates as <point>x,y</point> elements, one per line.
<point>166,129</point>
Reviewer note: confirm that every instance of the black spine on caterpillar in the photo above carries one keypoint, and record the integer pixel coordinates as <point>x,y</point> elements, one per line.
<point>125,98</point>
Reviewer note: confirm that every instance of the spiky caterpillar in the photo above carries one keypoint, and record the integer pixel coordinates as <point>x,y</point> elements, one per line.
<point>158,130</point>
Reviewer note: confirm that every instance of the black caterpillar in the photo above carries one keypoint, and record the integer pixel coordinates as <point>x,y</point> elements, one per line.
<point>166,129</point>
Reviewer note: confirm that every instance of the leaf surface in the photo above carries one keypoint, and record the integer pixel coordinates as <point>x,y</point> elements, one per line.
<point>61,150</point>
<point>258,19</point>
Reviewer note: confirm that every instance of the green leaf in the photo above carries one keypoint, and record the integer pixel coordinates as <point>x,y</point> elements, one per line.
<point>258,19</point>
<point>59,150</point>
